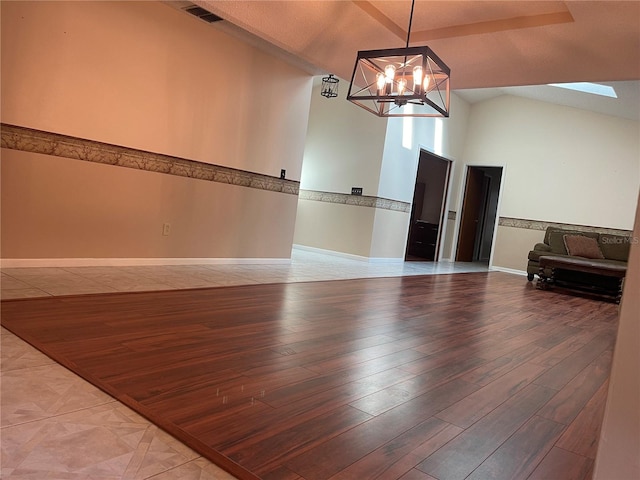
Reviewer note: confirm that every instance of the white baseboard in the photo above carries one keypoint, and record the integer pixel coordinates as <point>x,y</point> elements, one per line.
<point>129,262</point>
<point>508,270</point>
<point>348,255</point>
<point>385,260</point>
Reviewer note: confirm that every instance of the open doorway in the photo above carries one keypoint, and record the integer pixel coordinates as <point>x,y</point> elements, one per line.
<point>428,207</point>
<point>479,214</point>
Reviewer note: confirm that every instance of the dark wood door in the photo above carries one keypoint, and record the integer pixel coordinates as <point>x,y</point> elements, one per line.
<point>428,208</point>
<point>471,211</point>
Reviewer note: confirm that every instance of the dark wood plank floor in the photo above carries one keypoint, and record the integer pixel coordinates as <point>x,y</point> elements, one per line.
<point>443,377</point>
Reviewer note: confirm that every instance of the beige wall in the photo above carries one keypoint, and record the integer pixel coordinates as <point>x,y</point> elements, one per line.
<point>447,241</point>
<point>387,242</point>
<point>56,207</point>
<point>509,245</point>
<point>405,138</point>
<point>145,76</point>
<point>560,164</point>
<point>343,146</point>
<point>619,447</point>
<point>334,227</point>
<point>348,147</point>
<point>343,149</point>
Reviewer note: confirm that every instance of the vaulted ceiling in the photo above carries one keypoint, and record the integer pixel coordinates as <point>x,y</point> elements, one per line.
<point>486,43</point>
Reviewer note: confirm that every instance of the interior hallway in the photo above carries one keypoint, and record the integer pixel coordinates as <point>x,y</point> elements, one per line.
<point>55,425</point>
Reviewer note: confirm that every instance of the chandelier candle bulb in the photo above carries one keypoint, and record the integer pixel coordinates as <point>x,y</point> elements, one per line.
<point>417,79</point>
<point>380,81</point>
<point>390,72</point>
<point>402,83</point>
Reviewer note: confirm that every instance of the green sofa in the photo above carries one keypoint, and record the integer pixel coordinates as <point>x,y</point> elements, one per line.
<point>614,249</point>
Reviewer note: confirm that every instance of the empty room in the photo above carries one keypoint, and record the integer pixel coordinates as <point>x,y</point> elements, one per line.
<point>311,240</point>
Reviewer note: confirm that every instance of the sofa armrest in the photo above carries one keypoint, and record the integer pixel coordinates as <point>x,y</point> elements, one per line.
<point>542,247</point>
<point>538,250</point>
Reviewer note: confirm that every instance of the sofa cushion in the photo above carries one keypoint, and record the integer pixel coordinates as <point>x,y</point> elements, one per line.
<point>556,242</point>
<point>554,237</point>
<point>582,246</point>
<point>557,232</point>
<point>587,265</point>
<point>615,247</point>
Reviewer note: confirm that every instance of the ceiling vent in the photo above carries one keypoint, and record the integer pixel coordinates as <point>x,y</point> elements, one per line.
<point>202,14</point>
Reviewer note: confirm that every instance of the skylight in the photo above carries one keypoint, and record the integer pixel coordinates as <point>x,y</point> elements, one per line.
<point>586,87</point>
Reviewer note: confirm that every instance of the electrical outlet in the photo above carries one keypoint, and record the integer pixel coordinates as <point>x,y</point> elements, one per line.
<point>356,190</point>
<point>283,173</point>
<point>166,229</point>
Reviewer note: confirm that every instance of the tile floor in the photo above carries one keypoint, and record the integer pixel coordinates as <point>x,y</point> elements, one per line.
<point>54,425</point>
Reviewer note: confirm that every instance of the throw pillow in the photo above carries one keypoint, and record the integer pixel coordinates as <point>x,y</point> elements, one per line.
<point>581,246</point>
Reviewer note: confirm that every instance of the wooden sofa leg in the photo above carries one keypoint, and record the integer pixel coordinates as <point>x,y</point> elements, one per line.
<point>542,280</point>
<point>619,295</point>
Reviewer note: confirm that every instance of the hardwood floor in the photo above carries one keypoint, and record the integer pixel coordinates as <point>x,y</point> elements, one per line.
<point>474,375</point>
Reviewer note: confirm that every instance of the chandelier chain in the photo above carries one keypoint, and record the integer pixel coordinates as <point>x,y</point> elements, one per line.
<point>413,2</point>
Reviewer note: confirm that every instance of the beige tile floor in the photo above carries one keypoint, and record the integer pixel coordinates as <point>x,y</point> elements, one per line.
<point>54,425</point>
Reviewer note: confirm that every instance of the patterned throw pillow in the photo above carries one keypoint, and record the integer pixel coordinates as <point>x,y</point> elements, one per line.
<point>581,246</point>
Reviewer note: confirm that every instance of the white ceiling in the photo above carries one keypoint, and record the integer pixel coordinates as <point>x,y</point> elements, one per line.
<point>505,47</point>
<point>626,105</point>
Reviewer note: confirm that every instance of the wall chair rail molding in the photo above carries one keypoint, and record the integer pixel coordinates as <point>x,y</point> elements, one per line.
<point>357,200</point>
<point>37,141</point>
<point>540,225</point>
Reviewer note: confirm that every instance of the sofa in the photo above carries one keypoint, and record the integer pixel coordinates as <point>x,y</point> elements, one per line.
<point>580,259</point>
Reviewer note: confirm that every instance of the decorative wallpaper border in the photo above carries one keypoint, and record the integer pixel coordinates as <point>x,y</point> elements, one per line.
<point>37,141</point>
<point>358,200</point>
<point>540,225</point>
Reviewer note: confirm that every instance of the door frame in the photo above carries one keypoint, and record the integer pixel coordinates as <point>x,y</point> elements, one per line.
<point>461,192</point>
<point>448,184</point>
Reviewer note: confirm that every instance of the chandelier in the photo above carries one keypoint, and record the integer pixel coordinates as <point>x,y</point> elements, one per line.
<point>386,82</point>
<point>329,86</point>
